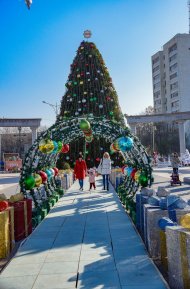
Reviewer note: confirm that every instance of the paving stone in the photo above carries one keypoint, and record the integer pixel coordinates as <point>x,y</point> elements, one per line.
<point>17,282</point>
<point>55,281</point>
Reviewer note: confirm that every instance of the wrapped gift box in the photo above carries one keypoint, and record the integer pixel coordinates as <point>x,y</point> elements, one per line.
<point>6,232</point>
<point>22,218</point>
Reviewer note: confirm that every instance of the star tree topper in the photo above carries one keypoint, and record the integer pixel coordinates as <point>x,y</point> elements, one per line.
<point>28,3</point>
<point>87,33</point>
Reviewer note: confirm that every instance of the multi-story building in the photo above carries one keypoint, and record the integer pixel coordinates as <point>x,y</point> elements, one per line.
<point>171,76</point>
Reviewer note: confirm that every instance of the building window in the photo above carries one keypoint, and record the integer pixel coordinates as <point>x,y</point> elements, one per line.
<point>157,77</point>
<point>173,67</point>
<point>173,75</point>
<point>175,104</point>
<point>173,57</point>
<point>157,85</point>
<point>175,94</point>
<point>156,68</point>
<point>157,94</point>
<point>155,60</point>
<point>172,48</point>
<point>158,101</point>
<point>174,85</point>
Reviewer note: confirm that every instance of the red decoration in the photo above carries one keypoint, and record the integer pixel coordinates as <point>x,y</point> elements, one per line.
<point>56,171</point>
<point>65,148</point>
<point>122,169</point>
<point>133,173</point>
<point>44,177</point>
<point>3,205</point>
<point>88,158</point>
<point>97,159</point>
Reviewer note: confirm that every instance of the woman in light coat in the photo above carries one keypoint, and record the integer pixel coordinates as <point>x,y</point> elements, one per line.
<point>105,164</point>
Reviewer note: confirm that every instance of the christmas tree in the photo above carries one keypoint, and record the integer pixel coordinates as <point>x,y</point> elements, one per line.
<point>90,93</point>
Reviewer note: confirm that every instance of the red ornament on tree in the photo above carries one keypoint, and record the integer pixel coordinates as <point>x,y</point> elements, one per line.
<point>56,171</point>
<point>97,159</point>
<point>44,177</point>
<point>133,173</point>
<point>122,169</point>
<point>3,205</point>
<point>65,148</point>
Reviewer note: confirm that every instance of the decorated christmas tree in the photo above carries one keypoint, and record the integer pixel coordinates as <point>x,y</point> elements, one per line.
<point>89,93</point>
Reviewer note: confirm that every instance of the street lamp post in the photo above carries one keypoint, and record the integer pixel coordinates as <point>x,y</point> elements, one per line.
<point>54,106</point>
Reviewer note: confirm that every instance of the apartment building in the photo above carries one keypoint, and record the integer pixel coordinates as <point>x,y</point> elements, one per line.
<point>171,76</point>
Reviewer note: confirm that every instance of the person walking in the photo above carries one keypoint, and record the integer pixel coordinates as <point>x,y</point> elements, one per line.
<point>175,161</point>
<point>80,171</point>
<point>105,169</point>
<point>92,177</point>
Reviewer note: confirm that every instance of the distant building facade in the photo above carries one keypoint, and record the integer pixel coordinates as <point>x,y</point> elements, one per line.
<point>171,76</point>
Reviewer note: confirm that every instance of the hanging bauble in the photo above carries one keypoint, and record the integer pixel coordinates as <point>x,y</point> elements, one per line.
<point>94,98</point>
<point>125,143</point>
<point>49,146</point>
<point>42,144</point>
<point>82,47</point>
<point>98,159</point>
<point>128,171</point>
<point>67,157</point>
<point>43,175</point>
<point>75,82</point>
<point>87,72</point>
<point>29,182</point>
<point>59,146</point>
<point>133,173</point>
<point>78,75</point>
<point>111,113</point>
<point>70,99</point>
<point>143,179</point>
<point>88,79</point>
<point>89,55</point>
<point>74,94</point>
<point>38,180</point>
<point>79,101</point>
<point>81,82</point>
<point>116,145</point>
<point>56,171</point>
<point>101,106</point>
<point>3,205</point>
<point>102,91</point>
<point>52,172</point>
<point>112,148</point>
<point>137,175</point>
<point>83,100</point>
<point>49,174</point>
<point>76,113</point>
<point>123,168</point>
<point>91,99</point>
<point>65,148</point>
<point>84,124</point>
<point>88,158</point>
<point>79,109</point>
<point>55,147</point>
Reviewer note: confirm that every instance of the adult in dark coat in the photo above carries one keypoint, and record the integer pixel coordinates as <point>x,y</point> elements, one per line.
<point>80,171</point>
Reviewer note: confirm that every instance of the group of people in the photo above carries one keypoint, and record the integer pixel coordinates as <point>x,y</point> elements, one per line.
<point>104,168</point>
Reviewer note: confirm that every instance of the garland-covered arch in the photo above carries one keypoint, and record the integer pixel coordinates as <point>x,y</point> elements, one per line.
<point>69,130</point>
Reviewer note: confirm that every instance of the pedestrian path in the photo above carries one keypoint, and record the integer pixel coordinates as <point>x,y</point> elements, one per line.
<point>87,241</point>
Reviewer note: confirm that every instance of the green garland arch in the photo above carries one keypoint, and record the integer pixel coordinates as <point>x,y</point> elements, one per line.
<point>68,130</point>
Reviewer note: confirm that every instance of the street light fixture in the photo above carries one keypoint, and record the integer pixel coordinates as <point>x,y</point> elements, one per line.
<point>54,106</point>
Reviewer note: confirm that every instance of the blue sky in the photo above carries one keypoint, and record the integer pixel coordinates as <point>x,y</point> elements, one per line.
<point>38,45</point>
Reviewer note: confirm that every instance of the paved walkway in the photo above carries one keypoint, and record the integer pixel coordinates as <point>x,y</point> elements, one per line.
<point>86,241</point>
